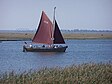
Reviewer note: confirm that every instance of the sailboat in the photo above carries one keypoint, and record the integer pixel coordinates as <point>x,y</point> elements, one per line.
<point>47,38</point>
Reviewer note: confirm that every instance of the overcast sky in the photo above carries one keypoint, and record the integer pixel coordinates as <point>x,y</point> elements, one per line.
<point>70,14</point>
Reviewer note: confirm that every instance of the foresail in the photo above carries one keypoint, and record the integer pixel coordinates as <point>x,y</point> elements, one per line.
<point>58,38</point>
<point>44,32</point>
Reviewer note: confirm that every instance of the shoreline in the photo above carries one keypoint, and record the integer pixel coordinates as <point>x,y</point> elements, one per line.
<point>28,36</point>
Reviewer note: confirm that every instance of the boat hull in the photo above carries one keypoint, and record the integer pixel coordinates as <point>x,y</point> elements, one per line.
<point>44,49</point>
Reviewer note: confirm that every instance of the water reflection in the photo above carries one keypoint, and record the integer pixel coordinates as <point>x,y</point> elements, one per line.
<point>49,53</point>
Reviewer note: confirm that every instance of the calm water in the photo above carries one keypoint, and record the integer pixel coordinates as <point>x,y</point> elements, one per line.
<point>78,52</point>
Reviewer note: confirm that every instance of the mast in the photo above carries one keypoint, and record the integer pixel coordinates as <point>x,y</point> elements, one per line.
<point>53,24</point>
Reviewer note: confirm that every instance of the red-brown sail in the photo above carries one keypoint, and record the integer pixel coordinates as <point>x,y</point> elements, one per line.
<point>44,31</point>
<point>58,38</point>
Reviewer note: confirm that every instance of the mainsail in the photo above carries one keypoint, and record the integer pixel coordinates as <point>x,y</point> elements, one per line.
<point>46,34</point>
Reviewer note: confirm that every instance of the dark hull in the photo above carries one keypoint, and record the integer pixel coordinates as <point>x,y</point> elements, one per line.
<point>43,49</point>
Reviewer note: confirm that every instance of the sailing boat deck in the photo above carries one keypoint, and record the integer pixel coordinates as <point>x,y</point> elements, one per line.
<point>48,33</point>
<point>46,49</point>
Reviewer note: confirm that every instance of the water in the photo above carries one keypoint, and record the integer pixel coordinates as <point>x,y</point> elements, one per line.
<point>78,52</point>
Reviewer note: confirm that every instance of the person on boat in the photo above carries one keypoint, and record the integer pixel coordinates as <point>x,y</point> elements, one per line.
<point>25,44</point>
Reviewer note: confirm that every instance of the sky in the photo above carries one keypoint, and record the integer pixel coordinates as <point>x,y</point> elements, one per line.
<point>70,14</point>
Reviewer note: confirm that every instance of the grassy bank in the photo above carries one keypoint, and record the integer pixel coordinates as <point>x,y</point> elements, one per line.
<point>16,36</point>
<point>81,74</point>
<point>29,36</point>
